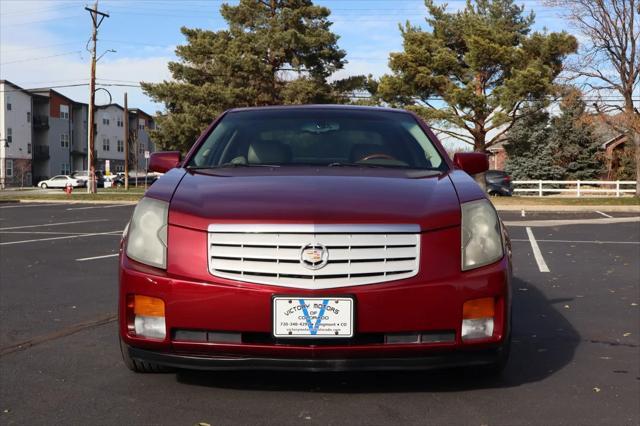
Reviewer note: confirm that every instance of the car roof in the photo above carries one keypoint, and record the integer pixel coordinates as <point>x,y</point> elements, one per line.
<point>318,107</point>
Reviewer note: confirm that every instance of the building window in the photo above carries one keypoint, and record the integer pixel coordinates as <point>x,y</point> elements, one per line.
<point>9,135</point>
<point>65,169</point>
<point>141,123</point>
<point>8,103</point>
<point>119,122</point>
<point>28,148</point>
<point>9,168</point>
<point>28,117</point>
<point>105,144</point>
<point>64,112</point>
<point>141,148</point>
<point>120,146</point>
<point>64,140</point>
<point>105,120</point>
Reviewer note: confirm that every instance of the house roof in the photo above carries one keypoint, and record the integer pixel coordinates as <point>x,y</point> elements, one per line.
<point>613,140</point>
<point>140,112</point>
<point>46,93</point>
<point>15,87</point>
<point>117,105</point>
<point>498,145</point>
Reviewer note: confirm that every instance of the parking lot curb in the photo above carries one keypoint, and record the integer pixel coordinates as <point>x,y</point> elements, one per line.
<point>69,201</point>
<point>568,208</point>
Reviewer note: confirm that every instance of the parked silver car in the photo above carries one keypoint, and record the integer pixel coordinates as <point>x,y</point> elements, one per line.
<point>60,181</point>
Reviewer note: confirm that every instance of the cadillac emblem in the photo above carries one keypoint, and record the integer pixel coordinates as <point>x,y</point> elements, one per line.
<point>314,256</point>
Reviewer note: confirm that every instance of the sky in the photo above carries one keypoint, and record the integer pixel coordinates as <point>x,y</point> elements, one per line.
<point>43,42</point>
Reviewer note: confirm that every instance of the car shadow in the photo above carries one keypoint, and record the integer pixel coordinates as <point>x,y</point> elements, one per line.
<point>543,343</point>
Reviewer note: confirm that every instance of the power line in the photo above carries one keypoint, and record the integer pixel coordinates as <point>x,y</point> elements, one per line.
<point>31,12</point>
<point>40,57</point>
<point>62,18</point>
<point>63,86</point>
<point>23,49</point>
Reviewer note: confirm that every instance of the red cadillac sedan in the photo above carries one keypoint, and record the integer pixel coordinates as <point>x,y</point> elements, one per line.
<point>317,238</point>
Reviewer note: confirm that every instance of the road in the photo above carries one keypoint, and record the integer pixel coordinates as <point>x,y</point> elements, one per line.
<point>574,359</point>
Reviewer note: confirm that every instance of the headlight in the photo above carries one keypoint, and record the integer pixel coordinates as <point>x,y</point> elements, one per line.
<point>147,233</point>
<point>481,236</point>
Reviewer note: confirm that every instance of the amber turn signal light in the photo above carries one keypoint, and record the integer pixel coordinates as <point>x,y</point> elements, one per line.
<point>148,306</point>
<point>479,308</point>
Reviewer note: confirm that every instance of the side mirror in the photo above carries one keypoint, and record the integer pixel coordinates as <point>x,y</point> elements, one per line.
<point>161,162</point>
<point>471,162</point>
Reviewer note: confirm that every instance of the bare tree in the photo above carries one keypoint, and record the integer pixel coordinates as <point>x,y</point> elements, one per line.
<point>608,67</point>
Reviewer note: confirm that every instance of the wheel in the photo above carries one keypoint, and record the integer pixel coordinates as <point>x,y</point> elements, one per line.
<point>140,366</point>
<point>44,186</point>
<point>496,368</point>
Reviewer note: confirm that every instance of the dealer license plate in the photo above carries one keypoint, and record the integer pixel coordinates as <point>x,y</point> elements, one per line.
<point>306,317</point>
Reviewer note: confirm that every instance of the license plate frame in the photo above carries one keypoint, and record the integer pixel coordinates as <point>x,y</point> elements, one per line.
<point>337,325</point>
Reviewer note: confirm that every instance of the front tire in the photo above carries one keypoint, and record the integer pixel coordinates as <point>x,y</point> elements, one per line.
<point>140,366</point>
<point>497,367</point>
<point>44,186</point>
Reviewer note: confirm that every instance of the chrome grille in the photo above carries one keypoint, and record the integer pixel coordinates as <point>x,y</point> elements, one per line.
<point>271,254</point>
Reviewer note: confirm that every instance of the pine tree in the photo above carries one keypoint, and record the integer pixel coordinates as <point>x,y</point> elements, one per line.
<point>273,52</point>
<point>484,64</point>
<point>529,152</point>
<point>554,148</point>
<point>575,148</point>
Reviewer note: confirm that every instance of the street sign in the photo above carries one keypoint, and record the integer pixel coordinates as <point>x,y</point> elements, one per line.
<point>147,154</point>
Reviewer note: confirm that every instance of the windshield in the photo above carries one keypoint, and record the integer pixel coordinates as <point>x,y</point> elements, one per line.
<point>318,137</point>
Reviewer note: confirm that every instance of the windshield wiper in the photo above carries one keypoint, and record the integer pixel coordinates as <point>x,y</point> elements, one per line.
<point>339,164</point>
<point>230,165</point>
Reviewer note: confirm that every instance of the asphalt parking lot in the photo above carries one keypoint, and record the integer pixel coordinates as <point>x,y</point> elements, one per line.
<point>575,358</point>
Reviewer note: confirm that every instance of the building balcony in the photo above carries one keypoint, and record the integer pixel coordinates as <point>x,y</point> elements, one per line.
<point>40,122</point>
<point>40,152</point>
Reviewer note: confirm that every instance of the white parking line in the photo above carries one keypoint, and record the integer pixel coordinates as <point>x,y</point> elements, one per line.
<point>562,222</point>
<point>99,207</point>
<point>54,224</point>
<point>8,243</point>
<point>83,259</point>
<point>537,254</point>
<point>41,233</point>
<point>24,205</point>
<point>581,241</point>
<point>603,214</point>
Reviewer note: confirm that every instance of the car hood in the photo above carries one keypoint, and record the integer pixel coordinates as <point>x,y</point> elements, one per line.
<point>314,196</point>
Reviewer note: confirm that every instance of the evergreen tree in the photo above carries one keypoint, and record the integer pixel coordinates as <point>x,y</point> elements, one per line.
<point>559,148</point>
<point>529,151</point>
<point>575,148</point>
<point>482,61</point>
<point>273,52</point>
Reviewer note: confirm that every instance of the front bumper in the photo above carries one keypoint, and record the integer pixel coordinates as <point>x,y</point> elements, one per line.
<point>434,361</point>
<point>430,302</point>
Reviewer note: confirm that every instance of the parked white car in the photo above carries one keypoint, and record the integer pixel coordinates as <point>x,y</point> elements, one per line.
<point>60,181</point>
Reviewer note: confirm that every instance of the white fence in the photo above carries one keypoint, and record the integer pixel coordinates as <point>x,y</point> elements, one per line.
<point>578,188</point>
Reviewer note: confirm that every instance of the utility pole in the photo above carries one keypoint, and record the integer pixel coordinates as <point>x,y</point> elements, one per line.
<point>126,143</point>
<point>96,19</point>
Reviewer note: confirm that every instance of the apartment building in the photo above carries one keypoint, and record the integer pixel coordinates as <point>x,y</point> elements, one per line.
<point>79,136</point>
<point>109,138</point>
<point>140,124</point>
<point>44,133</point>
<point>52,133</point>
<point>15,135</point>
